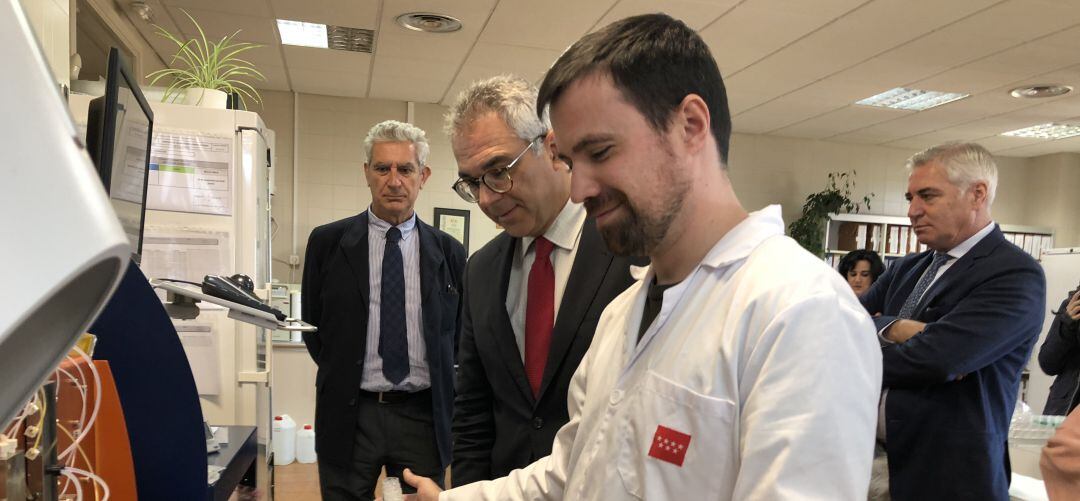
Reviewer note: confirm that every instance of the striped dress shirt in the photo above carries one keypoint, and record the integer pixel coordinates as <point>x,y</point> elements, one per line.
<point>419,377</point>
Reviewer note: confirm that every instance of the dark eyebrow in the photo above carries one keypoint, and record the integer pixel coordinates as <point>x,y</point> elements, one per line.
<point>387,165</point>
<point>590,140</point>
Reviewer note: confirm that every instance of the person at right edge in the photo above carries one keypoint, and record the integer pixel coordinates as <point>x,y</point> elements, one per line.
<point>957,325</point>
<point>738,365</point>
<point>1060,356</point>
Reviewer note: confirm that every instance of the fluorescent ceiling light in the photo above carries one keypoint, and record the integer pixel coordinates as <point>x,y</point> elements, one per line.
<point>302,34</point>
<point>911,99</point>
<point>1046,131</point>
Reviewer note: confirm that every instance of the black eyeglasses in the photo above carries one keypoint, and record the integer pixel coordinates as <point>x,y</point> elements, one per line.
<point>497,180</point>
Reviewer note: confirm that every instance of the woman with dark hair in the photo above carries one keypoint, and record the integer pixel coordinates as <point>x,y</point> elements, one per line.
<point>861,268</point>
<point>1060,356</point>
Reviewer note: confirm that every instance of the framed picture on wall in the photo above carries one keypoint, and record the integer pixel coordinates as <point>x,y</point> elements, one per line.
<point>455,222</point>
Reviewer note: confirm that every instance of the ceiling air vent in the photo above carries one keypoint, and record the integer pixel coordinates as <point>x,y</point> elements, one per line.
<point>428,22</point>
<point>1040,91</point>
<point>350,39</point>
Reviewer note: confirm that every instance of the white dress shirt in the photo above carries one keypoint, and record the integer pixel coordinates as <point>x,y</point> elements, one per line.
<point>762,356</point>
<point>565,233</point>
<point>373,378</point>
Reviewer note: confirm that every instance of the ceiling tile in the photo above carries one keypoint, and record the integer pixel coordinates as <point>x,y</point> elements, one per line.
<point>488,60</point>
<point>409,80</point>
<point>330,83</point>
<point>326,59</point>
<point>851,39</point>
<point>554,24</point>
<point>845,119</point>
<point>755,29</point>
<point>276,78</point>
<point>696,14</point>
<point>217,25</point>
<point>254,8</point>
<point>351,13</point>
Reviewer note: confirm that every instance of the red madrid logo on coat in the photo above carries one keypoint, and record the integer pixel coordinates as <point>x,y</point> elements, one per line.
<point>669,445</point>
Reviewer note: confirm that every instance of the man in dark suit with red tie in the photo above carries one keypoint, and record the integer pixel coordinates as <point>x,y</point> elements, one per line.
<point>383,289</point>
<point>957,325</point>
<point>533,295</point>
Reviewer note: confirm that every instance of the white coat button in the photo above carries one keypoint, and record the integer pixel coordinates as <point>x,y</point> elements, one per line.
<point>616,397</point>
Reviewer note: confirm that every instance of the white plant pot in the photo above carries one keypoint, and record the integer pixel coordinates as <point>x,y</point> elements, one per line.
<point>206,98</point>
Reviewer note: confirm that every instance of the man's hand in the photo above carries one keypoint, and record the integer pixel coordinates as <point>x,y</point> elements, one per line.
<point>426,488</point>
<point>1073,308</point>
<point>902,330</point>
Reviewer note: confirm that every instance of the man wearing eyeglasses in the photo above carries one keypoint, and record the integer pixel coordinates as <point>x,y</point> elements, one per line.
<point>533,295</point>
<point>382,287</point>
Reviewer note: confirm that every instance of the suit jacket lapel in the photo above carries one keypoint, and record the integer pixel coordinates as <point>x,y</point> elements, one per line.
<point>497,320</point>
<point>959,269</point>
<point>586,275</point>
<point>354,245</point>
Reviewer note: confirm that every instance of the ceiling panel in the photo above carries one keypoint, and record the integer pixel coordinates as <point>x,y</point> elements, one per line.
<point>756,28</point>
<point>793,68</point>
<point>330,83</point>
<point>297,58</point>
<point>276,78</point>
<point>253,8</point>
<point>696,14</point>
<point>422,65</point>
<point>845,119</point>
<point>1042,148</point>
<point>488,60</point>
<point>218,24</point>
<point>351,13</point>
<point>554,24</point>
<point>851,39</point>
<point>409,80</point>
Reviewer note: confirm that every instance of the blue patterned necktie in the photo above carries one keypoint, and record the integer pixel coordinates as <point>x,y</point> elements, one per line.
<point>924,282</point>
<point>393,343</point>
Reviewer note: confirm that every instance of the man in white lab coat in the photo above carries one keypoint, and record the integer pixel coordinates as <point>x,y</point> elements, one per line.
<point>739,366</point>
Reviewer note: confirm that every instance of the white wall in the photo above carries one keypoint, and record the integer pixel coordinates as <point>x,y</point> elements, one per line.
<point>331,179</point>
<point>764,169</point>
<point>767,170</point>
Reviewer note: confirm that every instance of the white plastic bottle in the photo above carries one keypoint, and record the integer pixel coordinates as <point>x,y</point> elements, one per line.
<point>305,445</point>
<point>284,439</point>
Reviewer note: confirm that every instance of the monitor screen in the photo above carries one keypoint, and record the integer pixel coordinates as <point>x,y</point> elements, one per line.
<point>118,136</point>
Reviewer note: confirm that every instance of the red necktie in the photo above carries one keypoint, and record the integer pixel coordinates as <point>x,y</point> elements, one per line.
<point>539,313</point>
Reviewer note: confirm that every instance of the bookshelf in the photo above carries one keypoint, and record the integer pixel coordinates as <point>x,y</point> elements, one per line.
<point>892,237</point>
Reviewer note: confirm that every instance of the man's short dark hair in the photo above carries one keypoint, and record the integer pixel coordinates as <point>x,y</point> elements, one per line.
<point>655,61</point>
<point>848,262</point>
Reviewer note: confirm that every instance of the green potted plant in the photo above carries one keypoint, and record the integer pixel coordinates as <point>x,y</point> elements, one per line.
<point>206,72</point>
<point>809,229</point>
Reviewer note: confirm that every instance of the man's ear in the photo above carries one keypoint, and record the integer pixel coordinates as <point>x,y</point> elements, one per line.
<point>425,173</point>
<point>551,150</point>
<point>980,192</point>
<point>693,121</point>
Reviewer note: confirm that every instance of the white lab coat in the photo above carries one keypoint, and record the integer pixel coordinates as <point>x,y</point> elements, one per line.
<point>762,355</point>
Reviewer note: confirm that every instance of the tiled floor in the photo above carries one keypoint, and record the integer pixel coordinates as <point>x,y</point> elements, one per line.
<point>300,482</point>
<point>297,482</point>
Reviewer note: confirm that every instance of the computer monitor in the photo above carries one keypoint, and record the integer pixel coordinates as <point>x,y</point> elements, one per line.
<point>119,131</point>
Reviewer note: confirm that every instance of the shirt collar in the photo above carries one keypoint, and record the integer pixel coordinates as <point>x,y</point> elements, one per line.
<point>966,246</point>
<point>738,243</point>
<point>565,231</point>
<point>406,228</point>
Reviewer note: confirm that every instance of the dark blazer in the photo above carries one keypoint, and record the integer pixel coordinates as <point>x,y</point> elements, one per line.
<point>335,292</point>
<point>1060,356</point>
<point>952,387</point>
<point>498,424</point>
